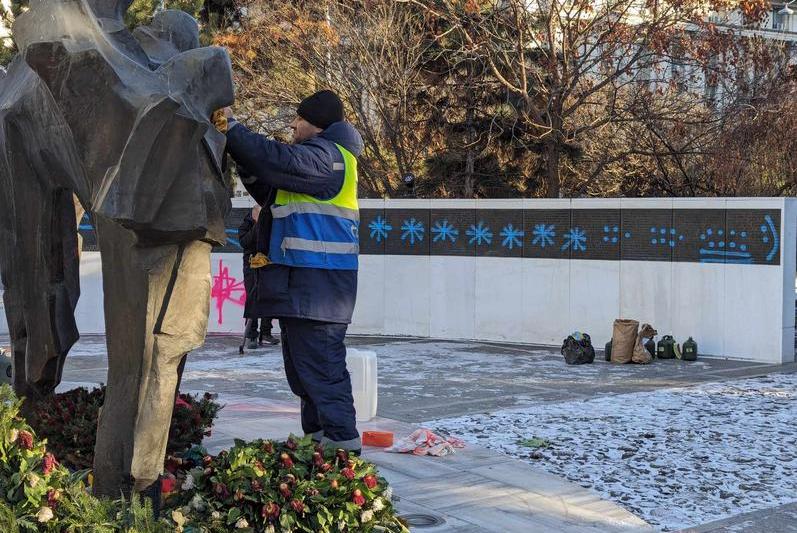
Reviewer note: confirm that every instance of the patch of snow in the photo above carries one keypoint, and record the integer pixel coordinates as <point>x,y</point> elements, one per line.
<point>676,457</point>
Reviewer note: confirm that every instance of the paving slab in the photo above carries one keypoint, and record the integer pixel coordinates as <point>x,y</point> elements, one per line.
<point>419,379</point>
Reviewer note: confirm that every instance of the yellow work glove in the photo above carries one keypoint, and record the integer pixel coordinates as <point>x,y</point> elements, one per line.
<point>219,120</point>
<point>259,260</point>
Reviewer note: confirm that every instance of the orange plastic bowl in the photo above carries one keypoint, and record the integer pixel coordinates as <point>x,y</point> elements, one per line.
<point>380,439</point>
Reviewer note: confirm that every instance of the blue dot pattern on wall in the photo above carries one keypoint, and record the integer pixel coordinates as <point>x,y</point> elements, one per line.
<point>716,248</point>
<point>665,237</point>
<point>611,234</point>
<point>737,236</point>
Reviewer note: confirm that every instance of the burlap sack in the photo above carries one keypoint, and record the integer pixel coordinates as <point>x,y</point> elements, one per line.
<point>624,336</point>
<point>641,355</point>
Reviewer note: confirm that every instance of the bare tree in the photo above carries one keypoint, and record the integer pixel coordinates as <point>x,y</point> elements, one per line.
<point>573,68</point>
<point>371,56</point>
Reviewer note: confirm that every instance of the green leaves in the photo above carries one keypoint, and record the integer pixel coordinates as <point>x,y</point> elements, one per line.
<point>290,486</point>
<point>534,442</point>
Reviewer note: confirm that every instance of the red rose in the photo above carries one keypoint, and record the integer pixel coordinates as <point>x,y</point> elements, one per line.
<point>25,440</point>
<point>313,492</point>
<point>290,479</point>
<point>358,498</point>
<point>286,460</point>
<point>268,447</point>
<point>326,467</point>
<point>348,473</point>
<point>370,481</point>
<point>182,403</point>
<point>207,460</point>
<point>257,486</point>
<point>285,490</point>
<point>318,459</point>
<point>270,511</point>
<point>52,498</point>
<point>342,455</point>
<point>291,444</point>
<point>49,463</point>
<point>297,506</point>
<point>168,485</point>
<point>221,490</point>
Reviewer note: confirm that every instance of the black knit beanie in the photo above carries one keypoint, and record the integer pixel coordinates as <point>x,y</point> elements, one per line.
<point>322,109</point>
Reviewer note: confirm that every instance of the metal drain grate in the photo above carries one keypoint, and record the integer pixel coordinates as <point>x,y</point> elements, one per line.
<point>423,520</point>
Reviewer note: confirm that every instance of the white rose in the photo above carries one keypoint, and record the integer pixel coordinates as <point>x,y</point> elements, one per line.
<point>367,516</point>
<point>378,504</point>
<point>45,514</point>
<point>188,484</point>
<point>33,480</point>
<point>269,529</point>
<point>215,515</point>
<point>197,503</point>
<point>12,437</point>
<point>178,518</point>
<point>241,523</point>
<point>389,494</point>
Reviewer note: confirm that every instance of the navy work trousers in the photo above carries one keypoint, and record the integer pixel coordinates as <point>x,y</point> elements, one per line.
<point>315,364</point>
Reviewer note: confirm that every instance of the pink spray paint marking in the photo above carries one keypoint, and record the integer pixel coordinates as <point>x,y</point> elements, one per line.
<point>226,289</point>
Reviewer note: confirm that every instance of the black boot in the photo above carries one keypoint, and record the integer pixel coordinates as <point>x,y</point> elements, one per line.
<point>153,493</point>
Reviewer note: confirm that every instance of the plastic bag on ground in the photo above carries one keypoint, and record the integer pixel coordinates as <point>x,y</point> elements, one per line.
<point>425,442</point>
<point>641,355</point>
<point>577,349</point>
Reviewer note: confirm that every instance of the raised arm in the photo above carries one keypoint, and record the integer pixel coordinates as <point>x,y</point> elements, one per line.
<point>305,168</point>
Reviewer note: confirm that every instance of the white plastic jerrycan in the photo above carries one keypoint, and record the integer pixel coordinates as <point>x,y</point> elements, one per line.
<point>362,367</point>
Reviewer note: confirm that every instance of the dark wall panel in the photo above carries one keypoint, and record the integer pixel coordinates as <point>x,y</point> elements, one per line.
<point>739,236</point>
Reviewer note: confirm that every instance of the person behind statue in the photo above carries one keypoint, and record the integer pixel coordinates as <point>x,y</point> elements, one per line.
<point>308,248</point>
<point>247,238</point>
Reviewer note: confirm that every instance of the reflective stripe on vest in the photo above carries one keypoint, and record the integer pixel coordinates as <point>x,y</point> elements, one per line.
<point>320,209</point>
<point>313,233</point>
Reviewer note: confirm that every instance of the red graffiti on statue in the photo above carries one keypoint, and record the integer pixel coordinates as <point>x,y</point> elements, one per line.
<point>226,289</point>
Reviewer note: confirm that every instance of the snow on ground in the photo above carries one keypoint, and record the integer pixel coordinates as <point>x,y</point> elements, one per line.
<point>676,457</point>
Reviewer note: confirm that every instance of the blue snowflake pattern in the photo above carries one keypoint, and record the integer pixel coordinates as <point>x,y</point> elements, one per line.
<point>543,235</point>
<point>444,231</point>
<point>480,234</point>
<point>412,229</point>
<point>379,229</point>
<point>512,236</point>
<point>576,240</point>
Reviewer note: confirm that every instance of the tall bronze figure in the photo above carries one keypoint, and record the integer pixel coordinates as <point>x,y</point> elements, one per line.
<point>121,121</point>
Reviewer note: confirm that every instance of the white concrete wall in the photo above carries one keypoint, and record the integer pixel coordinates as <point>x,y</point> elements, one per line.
<point>737,311</point>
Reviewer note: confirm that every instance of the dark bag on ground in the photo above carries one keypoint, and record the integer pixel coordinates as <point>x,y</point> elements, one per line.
<point>578,352</point>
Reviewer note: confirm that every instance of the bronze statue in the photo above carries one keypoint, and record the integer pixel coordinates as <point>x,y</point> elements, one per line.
<point>121,121</point>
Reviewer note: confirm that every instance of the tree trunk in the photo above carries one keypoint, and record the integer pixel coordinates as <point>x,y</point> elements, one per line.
<point>551,156</point>
<point>470,156</point>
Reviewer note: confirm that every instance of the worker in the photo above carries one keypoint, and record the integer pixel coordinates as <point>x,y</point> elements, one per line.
<point>258,330</point>
<point>308,248</point>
